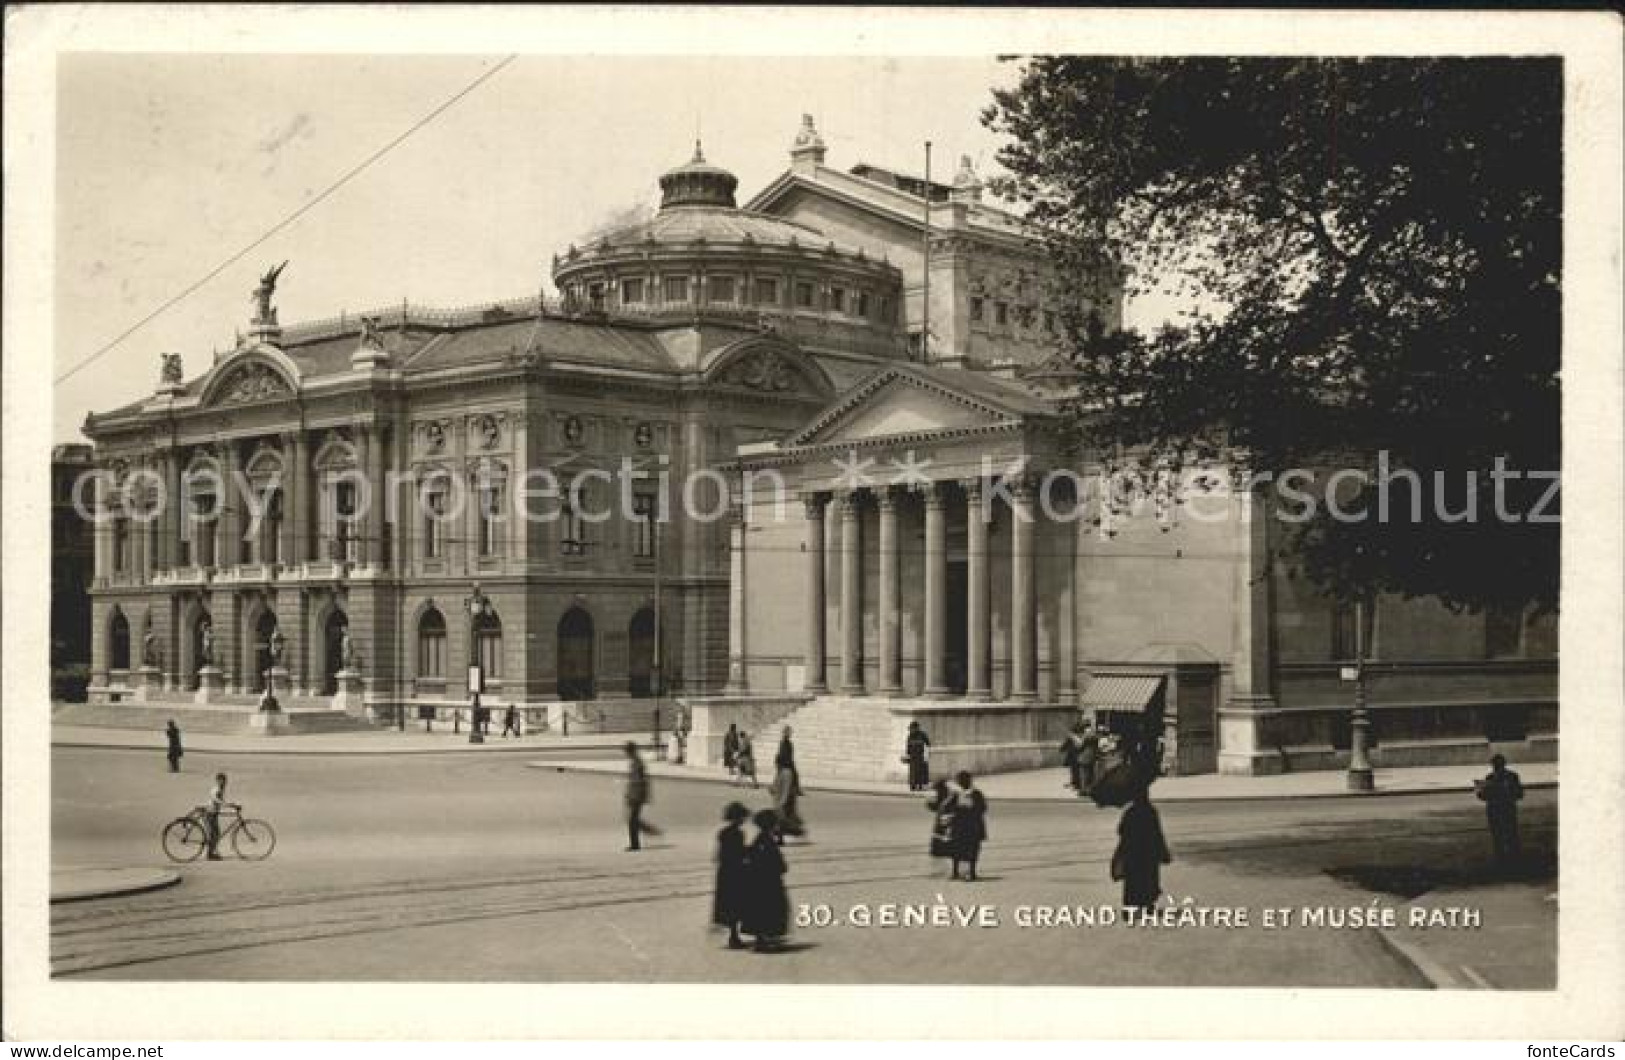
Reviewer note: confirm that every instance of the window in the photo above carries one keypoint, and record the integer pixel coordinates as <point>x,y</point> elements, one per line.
<point>271,542</point>
<point>887,313</point>
<point>1049,321</point>
<point>767,292</point>
<point>1344,632</point>
<point>804,295</point>
<point>643,526</point>
<point>1001,313</point>
<point>595,295</point>
<point>344,509</point>
<point>1503,633</point>
<point>488,646</point>
<point>1024,316</point>
<point>863,303</point>
<point>631,292</point>
<point>490,519</point>
<point>976,309</point>
<point>837,299</point>
<point>721,288</point>
<point>434,517</point>
<point>121,546</point>
<point>432,644</point>
<point>676,289</point>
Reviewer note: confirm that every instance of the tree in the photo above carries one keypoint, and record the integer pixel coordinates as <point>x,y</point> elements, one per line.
<point>1370,253</point>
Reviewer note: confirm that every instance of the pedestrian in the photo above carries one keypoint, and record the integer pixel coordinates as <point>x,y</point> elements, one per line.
<point>510,721</point>
<point>173,733</point>
<point>733,882</point>
<point>969,827</point>
<point>767,904</point>
<point>1088,756</point>
<point>1501,791</point>
<point>637,797</point>
<point>730,751</point>
<point>786,789</point>
<point>1141,852</point>
<point>211,817</point>
<point>917,753</point>
<point>941,805</point>
<point>746,760</point>
<point>1071,747</point>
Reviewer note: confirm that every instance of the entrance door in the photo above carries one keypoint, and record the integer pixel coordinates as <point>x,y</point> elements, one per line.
<point>575,655</point>
<point>955,653</point>
<point>333,651</point>
<point>640,643</point>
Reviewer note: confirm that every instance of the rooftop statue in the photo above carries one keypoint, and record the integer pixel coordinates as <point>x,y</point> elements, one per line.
<point>264,313</point>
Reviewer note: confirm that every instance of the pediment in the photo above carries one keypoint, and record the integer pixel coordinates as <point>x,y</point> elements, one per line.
<point>901,404</point>
<point>770,368</point>
<point>261,373</point>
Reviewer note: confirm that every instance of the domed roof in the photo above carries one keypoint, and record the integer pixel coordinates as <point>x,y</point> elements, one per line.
<point>713,226</point>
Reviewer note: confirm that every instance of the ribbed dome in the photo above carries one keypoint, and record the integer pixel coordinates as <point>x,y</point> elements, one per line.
<point>698,183</point>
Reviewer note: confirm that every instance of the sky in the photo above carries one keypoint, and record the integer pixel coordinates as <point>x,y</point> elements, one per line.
<point>167,165</point>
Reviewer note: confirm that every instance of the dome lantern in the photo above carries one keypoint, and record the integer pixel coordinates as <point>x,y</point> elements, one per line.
<point>698,183</point>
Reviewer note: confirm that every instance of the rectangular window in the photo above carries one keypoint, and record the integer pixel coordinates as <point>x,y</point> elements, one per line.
<point>631,292</point>
<point>490,648</point>
<point>976,309</point>
<point>804,295</point>
<point>490,520</point>
<point>676,289</point>
<point>767,292</point>
<point>837,299</point>
<point>344,501</point>
<point>121,546</point>
<point>721,288</point>
<point>863,304</point>
<point>643,526</point>
<point>434,515</point>
<point>1049,321</point>
<point>595,295</point>
<point>1001,313</point>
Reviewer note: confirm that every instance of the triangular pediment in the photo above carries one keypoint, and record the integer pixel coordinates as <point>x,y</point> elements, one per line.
<point>898,403</point>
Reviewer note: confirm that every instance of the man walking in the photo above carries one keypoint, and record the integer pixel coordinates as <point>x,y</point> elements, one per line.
<point>510,721</point>
<point>1501,791</point>
<point>173,732</point>
<point>637,796</point>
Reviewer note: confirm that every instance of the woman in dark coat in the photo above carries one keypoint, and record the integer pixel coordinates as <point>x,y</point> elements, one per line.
<point>730,749</point>
<point>787,789</point>
<point>1141,852</point>
<point>941,805</point>
<point>733,881</point>
<point>767,903</point>
<point>915,752</point>
<point>969,826</point>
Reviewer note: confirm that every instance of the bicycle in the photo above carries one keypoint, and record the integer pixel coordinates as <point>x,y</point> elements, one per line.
<point>186,838</point>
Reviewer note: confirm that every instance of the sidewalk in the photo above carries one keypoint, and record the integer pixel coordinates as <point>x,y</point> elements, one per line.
<point>1519,924</point>
<point>1046,785</point>
<point>381,742</point>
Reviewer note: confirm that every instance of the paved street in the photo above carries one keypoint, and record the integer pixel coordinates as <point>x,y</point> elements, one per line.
<point>479,867</point>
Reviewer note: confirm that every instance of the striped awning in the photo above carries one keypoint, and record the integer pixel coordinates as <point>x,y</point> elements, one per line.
<point>1122,692</point>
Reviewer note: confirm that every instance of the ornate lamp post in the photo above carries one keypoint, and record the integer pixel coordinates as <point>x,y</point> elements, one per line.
<point>1360,777</point>
<point>478,606</point>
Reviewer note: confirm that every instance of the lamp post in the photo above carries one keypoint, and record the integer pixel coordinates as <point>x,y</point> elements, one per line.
<point>478,606</point>
<point>1360,777</point>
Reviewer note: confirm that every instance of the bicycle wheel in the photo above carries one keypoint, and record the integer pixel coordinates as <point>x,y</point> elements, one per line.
<point>185,839</point>
<point>253,840</point>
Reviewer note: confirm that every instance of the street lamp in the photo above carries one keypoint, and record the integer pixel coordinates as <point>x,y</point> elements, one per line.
<point>478,606</point>
<point>1360,777</point>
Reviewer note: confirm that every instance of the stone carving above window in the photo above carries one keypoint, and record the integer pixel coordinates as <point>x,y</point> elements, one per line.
<point>253,382</point>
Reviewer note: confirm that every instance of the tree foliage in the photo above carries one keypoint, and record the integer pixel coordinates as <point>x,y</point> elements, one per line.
<point>1370,253</point>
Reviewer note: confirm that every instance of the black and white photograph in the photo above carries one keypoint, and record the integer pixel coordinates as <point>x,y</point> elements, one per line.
<point>630,498</point>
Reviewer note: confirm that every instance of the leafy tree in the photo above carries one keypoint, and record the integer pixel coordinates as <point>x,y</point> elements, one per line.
<point>1370,250</point>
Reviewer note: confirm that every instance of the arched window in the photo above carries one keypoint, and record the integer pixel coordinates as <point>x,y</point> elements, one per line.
<point>488,645</point>
<point>432,644</point>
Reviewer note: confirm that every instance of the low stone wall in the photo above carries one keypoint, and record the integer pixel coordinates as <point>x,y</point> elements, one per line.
<point>710,716</point>
<point>980,738</point>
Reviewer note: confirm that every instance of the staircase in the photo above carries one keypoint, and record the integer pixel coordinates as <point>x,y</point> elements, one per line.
<point>836,738</point>
<point>304,716</point>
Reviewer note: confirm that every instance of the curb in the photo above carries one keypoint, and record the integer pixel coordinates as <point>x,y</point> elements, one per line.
<point>271,749</point>
<point>825,787</point>
<point>1437,975</point>
<point>136,881</point>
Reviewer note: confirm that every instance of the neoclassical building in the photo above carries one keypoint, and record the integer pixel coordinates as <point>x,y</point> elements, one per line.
<point>816,447</point>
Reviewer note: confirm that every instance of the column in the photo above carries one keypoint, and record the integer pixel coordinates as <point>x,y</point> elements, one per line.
<point>138,550</point>
<point>978,600</point>
<point>372,535</point>
<point>366,542</point>
<point>815,681</point>
<point>1066,626</point>
<point>300,498</point>
<point>851,596</point>
<point>738,679</point>
<point>936,591</point>
<point>518,554</point>
<point>891,632</point>
<point>1023,619</point>
<point>169,521</point>
<point>229,544</point>
<point>287,533</point>
<point>101,532</point>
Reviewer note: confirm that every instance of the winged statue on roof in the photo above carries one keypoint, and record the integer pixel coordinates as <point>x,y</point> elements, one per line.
<point>262,295</point>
